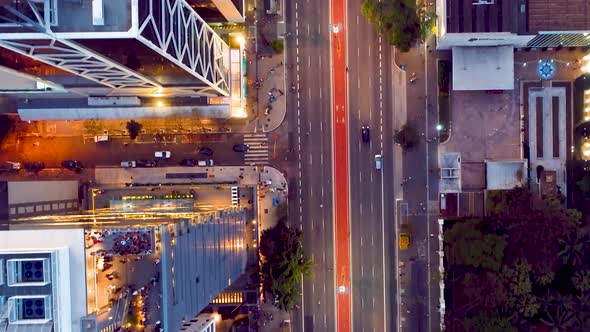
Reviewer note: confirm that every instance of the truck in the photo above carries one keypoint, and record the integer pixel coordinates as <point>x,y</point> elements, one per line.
<point>404,226</point>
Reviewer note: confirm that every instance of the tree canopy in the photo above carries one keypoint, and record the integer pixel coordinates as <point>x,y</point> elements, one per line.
<point>283,263</point>
<point>525,265</point>
<point>402,21</point>
<point>466,245</point>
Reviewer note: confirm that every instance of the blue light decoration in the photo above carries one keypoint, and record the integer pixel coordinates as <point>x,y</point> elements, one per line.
<point>546,69</point>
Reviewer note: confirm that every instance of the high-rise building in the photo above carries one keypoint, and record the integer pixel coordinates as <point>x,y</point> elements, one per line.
<point>158,274</point>
<point>87,54</point>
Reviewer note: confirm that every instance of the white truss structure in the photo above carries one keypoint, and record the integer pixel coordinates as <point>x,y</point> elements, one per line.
<point>168,27</point>
<point>173,29</point>
<point>74,58</point>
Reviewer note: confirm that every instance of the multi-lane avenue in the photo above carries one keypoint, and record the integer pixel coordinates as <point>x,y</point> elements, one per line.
<point>309,119</point>
<point>344,80</point>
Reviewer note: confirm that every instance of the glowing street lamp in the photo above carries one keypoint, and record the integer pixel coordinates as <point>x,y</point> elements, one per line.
<point>241,40</point>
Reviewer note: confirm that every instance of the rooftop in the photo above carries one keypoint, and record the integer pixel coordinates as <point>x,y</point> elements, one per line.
<point>463,16</point>
<point>562,15</point>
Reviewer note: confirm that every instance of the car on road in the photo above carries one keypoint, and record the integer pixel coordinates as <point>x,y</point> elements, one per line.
<point>188,162</point>
<point>241,147</point>
<point>10,166</point>
<point>163,154</point>
<point>208,162</point>
<point>128,164</point>
<point>101,138</point>
<point>378,161</point>
<point>72,165</point>
<point>146,163</point>
<point>34,166</point>
<point>404,236</point>
<point>365,134</point>
<point>205,151</point>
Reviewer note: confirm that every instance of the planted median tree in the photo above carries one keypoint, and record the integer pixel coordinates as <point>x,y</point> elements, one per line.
<point>278,46</point>
<point>283,263</point>
<point>402,21</point>
<point>406,136</point>
<point>134,128</point>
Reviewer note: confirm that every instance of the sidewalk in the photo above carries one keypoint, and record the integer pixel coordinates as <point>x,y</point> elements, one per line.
<point>266,71</point>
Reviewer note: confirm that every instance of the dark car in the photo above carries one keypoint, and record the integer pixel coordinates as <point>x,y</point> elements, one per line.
<point>146,163</point>
<point>34,166</point>
<point>188,162</point>
<point>72,165</point>
<point>206,151</point>
<point>365,134</point>
<point>241,147</point>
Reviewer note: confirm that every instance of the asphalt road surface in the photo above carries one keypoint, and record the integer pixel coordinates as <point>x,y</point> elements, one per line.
<point>309,119</point>
<point>52,151</point>
<point>372,191</point>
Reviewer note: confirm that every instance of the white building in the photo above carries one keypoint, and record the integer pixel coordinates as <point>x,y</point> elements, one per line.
<point>45,284</point>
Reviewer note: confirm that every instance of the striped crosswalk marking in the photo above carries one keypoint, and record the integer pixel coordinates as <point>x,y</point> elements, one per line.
<point>258,152</point>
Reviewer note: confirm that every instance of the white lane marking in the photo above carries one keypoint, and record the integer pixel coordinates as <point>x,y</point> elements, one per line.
<point>362,271</point>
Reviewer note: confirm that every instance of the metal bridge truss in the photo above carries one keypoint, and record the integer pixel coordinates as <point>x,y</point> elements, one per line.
<point>169,27</point>
<point>175,31</point>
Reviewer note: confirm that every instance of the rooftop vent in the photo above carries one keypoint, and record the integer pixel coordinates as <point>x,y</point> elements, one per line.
<point>30,309</point>
<point>28,272</point>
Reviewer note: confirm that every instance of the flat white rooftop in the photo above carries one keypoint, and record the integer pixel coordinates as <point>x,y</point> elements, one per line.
<point>483,68</point>
<point>72,286</point>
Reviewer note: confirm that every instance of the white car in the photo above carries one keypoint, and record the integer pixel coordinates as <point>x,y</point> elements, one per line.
<point>163,154</point>
<point>208,162</point>
<point>378,161</point>
<point>129,164</point>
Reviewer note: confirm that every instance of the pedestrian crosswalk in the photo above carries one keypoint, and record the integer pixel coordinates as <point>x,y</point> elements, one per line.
<point>258,151</point>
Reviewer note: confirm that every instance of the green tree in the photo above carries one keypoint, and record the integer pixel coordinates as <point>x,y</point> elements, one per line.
<point>488,323</point>
<point>278,46</point>
<point>134,128</point>
<point>581,280</point>
<point>283,263</point>
<point>397,19</point>
<point>572,248</point>
<point>406,136</point>
<point>487,287</point>
<point>558,312</point>
<point>534,227</point>
<point>518,280</point>
<point>427,19</point>
<point>467,245</point>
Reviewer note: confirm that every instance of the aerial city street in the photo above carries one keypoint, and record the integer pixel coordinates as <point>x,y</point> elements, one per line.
<point>294,165</point>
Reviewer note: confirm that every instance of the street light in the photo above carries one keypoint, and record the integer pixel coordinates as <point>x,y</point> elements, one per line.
<point>439,127</point>
<point>241,40</point>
